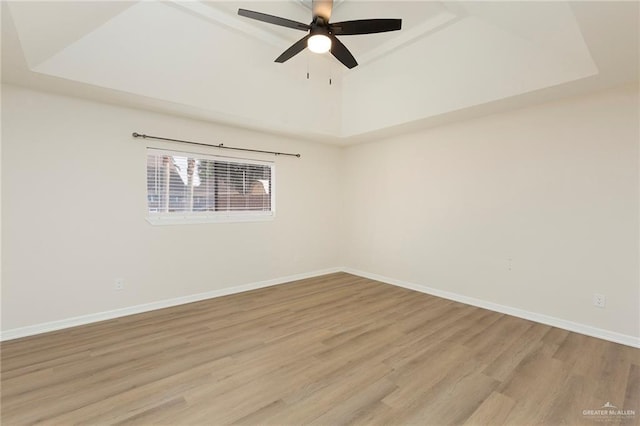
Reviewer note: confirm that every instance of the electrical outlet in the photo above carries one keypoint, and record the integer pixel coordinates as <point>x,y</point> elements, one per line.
<point>599,300</point>
<point>118,284</point>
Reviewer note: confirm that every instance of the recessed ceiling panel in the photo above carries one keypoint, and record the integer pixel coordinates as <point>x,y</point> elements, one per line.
<point>157,51</point>
<point>45,28</point>
<point>469,62</point>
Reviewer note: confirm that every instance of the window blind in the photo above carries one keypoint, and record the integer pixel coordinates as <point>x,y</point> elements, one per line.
<point>181,183</point>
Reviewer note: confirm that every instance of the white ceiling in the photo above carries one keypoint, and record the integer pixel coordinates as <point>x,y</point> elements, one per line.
<point>451,60</point>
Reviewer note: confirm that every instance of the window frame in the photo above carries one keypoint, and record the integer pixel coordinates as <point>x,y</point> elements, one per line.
<point>229,216</point>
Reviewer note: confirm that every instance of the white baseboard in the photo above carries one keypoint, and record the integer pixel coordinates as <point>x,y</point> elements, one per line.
<point>116,313</point>
<point>520,313</point>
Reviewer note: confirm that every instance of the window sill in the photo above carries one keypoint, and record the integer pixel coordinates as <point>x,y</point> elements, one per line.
<point>191,220</point>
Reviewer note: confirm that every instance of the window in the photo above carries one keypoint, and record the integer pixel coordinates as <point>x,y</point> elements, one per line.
<point>193,188</point>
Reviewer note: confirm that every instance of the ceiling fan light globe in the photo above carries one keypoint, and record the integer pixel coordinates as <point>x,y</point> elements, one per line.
<point>319,43</point>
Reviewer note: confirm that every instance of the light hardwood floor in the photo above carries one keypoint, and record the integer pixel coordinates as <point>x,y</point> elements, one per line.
<point>330,350</point>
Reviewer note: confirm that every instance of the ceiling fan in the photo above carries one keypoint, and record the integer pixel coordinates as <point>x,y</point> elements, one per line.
<point>321,36</point>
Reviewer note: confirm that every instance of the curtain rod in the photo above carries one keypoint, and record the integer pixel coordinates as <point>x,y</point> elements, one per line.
<point>221,146</point>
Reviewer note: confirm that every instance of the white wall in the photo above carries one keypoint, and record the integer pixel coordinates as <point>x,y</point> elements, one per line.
<point>535,209</point>
<point>73,218</point>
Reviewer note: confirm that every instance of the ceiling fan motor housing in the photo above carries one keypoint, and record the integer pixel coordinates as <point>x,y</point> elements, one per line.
<point>319,26</point>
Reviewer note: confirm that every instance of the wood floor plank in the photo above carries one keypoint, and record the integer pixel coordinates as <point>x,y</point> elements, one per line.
<point>330,350</point>
<point>493,411</point>
<point>632,394</point>
<point>351,408</point>
<point>503,365</point>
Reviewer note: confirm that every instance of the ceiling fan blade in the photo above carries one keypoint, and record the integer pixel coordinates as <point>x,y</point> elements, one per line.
<point>297,47</point>
<point>322,8</point>
<point>365,26</point>
<point>341,52</point>
<point>276,20</point>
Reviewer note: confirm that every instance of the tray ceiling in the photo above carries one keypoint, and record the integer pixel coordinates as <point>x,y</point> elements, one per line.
<point>451,59</point>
